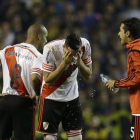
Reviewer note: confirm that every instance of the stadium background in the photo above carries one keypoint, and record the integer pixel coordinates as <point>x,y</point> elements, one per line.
<point>106,115</point>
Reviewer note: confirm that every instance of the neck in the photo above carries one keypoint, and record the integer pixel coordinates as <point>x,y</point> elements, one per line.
<point>32,42</point>
<point>130,40</point>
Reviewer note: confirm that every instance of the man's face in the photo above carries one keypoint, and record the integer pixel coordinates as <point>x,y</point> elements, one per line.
<point>123,35</point>
<point>73,52</point>
<point>43,38</point>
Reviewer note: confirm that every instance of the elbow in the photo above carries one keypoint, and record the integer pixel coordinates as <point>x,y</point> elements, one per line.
<point>35,81</point>
<point>88,77</point>
<point>48,83</point>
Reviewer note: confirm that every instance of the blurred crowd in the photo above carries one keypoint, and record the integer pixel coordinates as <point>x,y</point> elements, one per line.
<point>106,114</point>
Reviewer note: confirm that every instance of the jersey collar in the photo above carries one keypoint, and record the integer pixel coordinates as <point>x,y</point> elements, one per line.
<point>135,42</point>
<point>28,45</point>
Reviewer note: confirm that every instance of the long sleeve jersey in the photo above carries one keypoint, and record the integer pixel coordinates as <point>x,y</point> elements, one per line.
<point>132,81</point>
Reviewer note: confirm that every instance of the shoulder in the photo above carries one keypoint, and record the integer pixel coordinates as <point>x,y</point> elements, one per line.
<point>84,40</point>
<point>55,42</point>
<point>85,43</point>
<point>34,51</point>
<point>54,45</point>
<point>4,50</point>
<point>133,56</point>
<point>9,46</point>
<point>39,55</point>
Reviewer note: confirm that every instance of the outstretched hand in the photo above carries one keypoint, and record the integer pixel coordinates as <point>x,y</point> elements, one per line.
<point>110,84</point>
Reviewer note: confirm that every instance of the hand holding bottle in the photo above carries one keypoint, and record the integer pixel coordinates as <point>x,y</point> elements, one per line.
<point>109,83</point>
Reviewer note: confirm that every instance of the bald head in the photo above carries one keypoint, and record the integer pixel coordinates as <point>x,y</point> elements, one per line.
<point>35,29</point>
<point>36,35</point>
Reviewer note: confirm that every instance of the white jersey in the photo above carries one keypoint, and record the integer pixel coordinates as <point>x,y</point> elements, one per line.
<point>17,62</point>
<point>66,87</point>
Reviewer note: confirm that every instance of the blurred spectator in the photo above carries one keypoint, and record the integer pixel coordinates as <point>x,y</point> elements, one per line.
<point>132,9</point>
<point>6,34</point>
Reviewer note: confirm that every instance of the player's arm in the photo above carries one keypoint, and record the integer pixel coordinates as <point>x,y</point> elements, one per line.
<point>36,83</point>
<point>85,70</point>
<point>36,74</point>
<point>84,60</point>
<point>133,79</point>
<point>52,77</point>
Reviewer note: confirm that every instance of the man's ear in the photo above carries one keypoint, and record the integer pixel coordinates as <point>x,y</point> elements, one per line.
<point>128,33</point>
<point>39,36</point>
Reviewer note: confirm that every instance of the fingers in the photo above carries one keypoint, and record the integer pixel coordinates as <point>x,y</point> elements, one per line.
<point>67,54</point>
<point>33,96</point>
<point>109,84</point>
<point>68,57</point>
<point>79,54</point>
<point>106,83</point>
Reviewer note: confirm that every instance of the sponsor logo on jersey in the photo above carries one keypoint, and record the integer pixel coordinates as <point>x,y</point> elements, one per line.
<point>45,125</point>
<point>19,55</point>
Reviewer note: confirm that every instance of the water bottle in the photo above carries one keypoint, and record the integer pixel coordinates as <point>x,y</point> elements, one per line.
<point>105,78</point>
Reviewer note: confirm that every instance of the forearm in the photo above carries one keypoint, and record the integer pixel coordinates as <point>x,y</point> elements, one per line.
<point>54,76</point>
<point>129,81</point>
<point>36,86</point>
<point>36,83</point>
<point>85,70</point>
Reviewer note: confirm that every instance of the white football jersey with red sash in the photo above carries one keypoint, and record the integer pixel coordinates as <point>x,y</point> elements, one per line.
<point>66,87</point>
<point>18,62</point>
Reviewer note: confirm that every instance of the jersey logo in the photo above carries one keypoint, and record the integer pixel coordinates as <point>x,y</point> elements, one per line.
<point>45,125</point>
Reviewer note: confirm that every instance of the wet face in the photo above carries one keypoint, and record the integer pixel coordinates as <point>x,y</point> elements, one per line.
<point>123,35</point>
<point>73,52</point>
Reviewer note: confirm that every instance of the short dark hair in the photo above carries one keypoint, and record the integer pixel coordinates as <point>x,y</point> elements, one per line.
<point>73,41</point>
<point>132,25</point>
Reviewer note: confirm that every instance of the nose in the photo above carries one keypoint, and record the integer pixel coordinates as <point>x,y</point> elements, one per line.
<point>46,42</point>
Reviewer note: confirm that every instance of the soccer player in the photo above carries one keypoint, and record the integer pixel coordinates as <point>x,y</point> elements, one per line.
<point>17,102</point>
<point>130,38</point>
<point>62,59</point>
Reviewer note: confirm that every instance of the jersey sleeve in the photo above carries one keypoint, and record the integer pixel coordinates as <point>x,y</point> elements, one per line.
<point>48,59</point>
<point>37,66</point>
<point>133,78</point>
<point>86,53</point>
